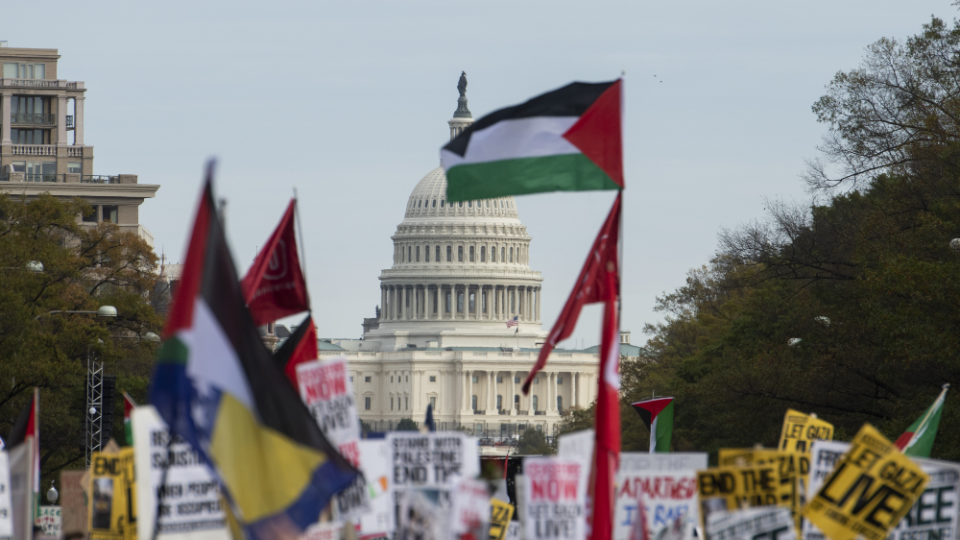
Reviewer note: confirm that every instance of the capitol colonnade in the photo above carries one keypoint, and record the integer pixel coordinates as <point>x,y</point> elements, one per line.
<point>459,301</point>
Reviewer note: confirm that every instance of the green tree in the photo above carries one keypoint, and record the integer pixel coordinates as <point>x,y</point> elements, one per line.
<point>84,267</point>
<point>533,443</point>
<point>407,424</point>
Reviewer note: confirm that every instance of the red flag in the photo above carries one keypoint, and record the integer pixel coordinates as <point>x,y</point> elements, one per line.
<point>274,286</point>
<point>607,422</point>
<point>298,348</point>
<point>591,287</point>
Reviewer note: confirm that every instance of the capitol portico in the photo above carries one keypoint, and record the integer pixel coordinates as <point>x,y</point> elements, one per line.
<point>459,322</point>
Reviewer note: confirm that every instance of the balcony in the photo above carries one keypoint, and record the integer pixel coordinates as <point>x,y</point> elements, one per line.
<point>49,150</point>
<point>70,121</point>
<point>33,119</point>
<point>40,178</point>
<point>539,413</point>
<point>41,83</point>
<point>99,179</point>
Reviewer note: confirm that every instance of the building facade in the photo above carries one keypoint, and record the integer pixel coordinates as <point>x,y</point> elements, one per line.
<point>42,147</point>
<point>459,324</point>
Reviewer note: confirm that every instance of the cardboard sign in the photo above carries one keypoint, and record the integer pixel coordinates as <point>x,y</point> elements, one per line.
<point>190,505</point>
<point>667,484</point>
<point>726,489</point>
<point>500,515</point>
<point>431,460</point>
<point>6,508</point>
<point>113,501</point>
<point>73,505</point>
<point>470,508</point>
<point>793,468</point>
<point>555,495</point>
<point>326,390</point>
<point>871,489</point>
<point>800,430</point>
<point>49,520</point>
<point>376,466</point>
<point>774,523</point>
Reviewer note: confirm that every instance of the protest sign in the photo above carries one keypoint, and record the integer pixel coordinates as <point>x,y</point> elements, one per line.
<point>113,504</point>
<point>423,516</point>
<point>6,509</point>
<point>21,488</point>
<point>431,460</point>
<point>500,515</point>
<point>554,495</point>
<point>375,462</point>
<point>824,456</point>
<point>322,531</point>
<point>735,488</point>
<point>793,468</point>
<point>869,491</point>
<point>73,506</point>
<point>326,390</point>
<point>513,531</point>
<point>48,519</point>
<point>800,430</point>
<point>190,504</point>
<point>772,523</point>
<point>470,507</point>
<point>577,445</point>
<point>936,514</point>
<point>667,484</point>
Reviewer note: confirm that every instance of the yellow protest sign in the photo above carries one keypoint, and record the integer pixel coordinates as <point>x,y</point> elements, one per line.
<point>869,491</point>
<point>113,504</point>
<point>500,515</point>
<point>800,430</point>
<point>734,488</point>
<point>792,468</point>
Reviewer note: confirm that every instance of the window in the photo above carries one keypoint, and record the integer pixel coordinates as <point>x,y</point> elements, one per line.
<point>406,404</point>
<point>92,217</point>
<point>473,402</point>
<point>539,428</point>
<point>559,380</point>
<point>483,254</point>
<point>471,254</point>
<point>406,378</point>
<point>516,401</point>
<point>75,167</point>
<point>499,403</point>
<point>441,203</point>
<point>469,204</point>
<point>449,254</point>
<point>426,254</point>
<point>516,380</point>
<point>433,378</point>
<point>30,136</point>
<point>401,254</point>
<point>459,253</point>
<point>409,254</point>
<point>473,302</point>
<point>511,254</point>
<point>437,258</point>
<point>475,379</point>
<point>459,302</point>
<point>23,71</point>
<point>535,403</point>
<point>503,254</point>
<point>434,203</point>
<point>30,110</point>
<point>499,379</point>
<point>418,253</point>
<point>391,404</point>
<point>351,378</point>
<point>559,403</point>
<point>109,214</point>
<point>366,379</point>
<point>448,303</point>
<point>536,379</point>
<point>366,403</point>
<point>391,378</point>
<point>433,402</point>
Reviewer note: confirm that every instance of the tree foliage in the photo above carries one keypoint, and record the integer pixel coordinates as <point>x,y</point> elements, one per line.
<point>533,443</point>
<point>407,424</point>
<point>84,267</point>
<point>848,308</point>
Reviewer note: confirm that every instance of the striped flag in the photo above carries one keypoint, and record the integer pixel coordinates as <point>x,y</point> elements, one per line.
<point>128,406</point>
<point>565,140</point>
<point>214,385</point>
<point>917,440</point>
<point>657,414</point>
<point>513,322</point>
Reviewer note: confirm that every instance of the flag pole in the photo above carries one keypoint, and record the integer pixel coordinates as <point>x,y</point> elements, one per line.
<point>303,253</point>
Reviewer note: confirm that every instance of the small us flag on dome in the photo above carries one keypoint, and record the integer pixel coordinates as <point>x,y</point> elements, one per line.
<point>513,322</point>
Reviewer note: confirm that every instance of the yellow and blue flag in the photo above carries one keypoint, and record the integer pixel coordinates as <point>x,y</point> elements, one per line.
<point>215,386</point>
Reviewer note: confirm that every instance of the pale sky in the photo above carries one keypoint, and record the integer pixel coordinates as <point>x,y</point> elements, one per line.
<point>348,101</point>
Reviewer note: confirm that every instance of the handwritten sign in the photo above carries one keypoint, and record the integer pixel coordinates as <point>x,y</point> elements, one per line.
<point>555,494</point>
<point>431,460</point>
<point>48,519</point>
<point>667,484</point>
<point>771,523</point>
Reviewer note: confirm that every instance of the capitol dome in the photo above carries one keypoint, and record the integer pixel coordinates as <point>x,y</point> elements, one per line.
<point>460,272</point>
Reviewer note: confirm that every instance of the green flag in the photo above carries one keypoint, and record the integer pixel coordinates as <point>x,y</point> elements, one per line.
<point>917,440</point>
<point>657,414</point>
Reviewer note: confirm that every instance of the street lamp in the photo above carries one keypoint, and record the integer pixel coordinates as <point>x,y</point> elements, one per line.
<point>102,311</point>
<point>52,494</point>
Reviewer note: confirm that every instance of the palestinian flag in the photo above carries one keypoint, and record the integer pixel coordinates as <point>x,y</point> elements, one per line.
<point>298,348</point>
<point>128,406</point>
<point>917,440</point>
<point>565,140</point>
<point>216,387</point>
<point>657,414</point>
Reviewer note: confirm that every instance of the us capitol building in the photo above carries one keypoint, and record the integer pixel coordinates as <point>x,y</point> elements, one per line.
<point>460,273</point>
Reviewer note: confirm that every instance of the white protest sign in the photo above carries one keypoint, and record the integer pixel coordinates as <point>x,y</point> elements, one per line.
<point>555,494</point>
<point>326,390</point>
<point>667,484</point>
<point>322,531</point>
<point>190,495</point>
<point>21,488</point>
<point>935,514</point>
<point>6,510</point>
<point>824,455</point>
<point>431,460</point>
<point>513,532</point>
<point>577,445</point>
<point>762,523</point>
<point>49,520</point>
<point>376,465</point>
<point>470,508</point>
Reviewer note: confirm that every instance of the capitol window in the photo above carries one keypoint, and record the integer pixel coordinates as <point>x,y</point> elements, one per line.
<point>473,402</point>
<point>516,380</point>
<point>469,204</point>
<point>511,254</point>
<point>437,258</point>
<point>483,254</point>
<point>409,253</point>
<point>434,203</point>
<point>499,379</point>
<point>433,378</point>
<point>366,379</point>
<point>448,302</point>
<point>426,254</point>
<point>459,253</point>
<point>534,400</point>
<point>475,379</point>
<point>460,204</point>
<point>534,404</point>
<point>459,302</point>
<point>499,403</point>
<point>441,203</point>
<point>559,380</point>
<point>406,404</point>
<point>449,254</point>
<point>503,254</point>
<point>471,254</point>
<point>418,253</point>
<point>516,401</point>
<point>433,402</point>
<point>366,403</point>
